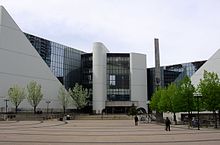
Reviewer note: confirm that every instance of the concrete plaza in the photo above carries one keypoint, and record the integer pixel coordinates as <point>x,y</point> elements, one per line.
<point>103,132</point>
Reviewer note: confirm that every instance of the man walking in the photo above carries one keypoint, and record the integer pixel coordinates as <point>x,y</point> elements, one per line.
<point>136,120</point>
<point>167,123</point>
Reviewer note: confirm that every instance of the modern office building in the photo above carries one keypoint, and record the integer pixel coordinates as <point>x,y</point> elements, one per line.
<point>172,74</point>
<point>115,81</point>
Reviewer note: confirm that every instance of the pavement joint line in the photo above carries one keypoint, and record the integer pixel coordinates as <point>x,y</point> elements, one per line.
<point>116,142</point>
<point>18,127</point>
<point>22,124</point>
<point>60,124</point>
<point>99,129</point>
<point>63,134</point>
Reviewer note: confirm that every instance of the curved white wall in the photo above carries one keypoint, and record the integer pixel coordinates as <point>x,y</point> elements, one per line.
<point>99,76</point>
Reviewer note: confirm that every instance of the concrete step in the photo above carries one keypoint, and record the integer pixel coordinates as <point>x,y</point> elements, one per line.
<point>103,117</point>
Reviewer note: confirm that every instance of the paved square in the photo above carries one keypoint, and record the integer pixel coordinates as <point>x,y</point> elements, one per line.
<point>103,132</point>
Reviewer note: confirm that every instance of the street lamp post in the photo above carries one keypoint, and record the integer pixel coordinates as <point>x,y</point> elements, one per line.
<point>48,102</point>
<point>198,113</point>
<point>148,111</point>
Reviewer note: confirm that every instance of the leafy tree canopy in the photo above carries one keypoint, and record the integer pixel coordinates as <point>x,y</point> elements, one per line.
<point>133,110</point>
<point>168,100</point>
<point>186,96</point>
<point>79,96</point>
<point>34,94</point>
<point>16,95</point>
<point>209,87</point>
<point>156,99</point>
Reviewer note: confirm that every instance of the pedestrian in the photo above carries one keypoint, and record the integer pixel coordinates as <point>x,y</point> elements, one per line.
<point>193,122</point>
<point>167,123</point>
<point>136,120</point>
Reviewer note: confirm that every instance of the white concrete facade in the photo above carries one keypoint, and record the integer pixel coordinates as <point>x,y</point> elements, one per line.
<point>99,76</point>
<point>20,63</point>
<point>138,78</point>
<point>211,65</point>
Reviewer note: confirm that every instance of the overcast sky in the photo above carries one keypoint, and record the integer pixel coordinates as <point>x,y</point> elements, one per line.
<point>188,30</point>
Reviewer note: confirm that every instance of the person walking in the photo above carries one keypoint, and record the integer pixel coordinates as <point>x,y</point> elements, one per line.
<point>136,120</point>
<point>167,123</point>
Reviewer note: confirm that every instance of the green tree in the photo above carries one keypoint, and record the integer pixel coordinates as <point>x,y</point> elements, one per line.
<point>186,97</point>
<point>155,99</point>
<point>34,94</point>
<point>16,96</point>
<point>164,104</point>
<point>154,103</point>
<point>209,87</point>
<point>79,96</point>
<point>132,110</point>
<point>63,97</point>
<point>168,101</point>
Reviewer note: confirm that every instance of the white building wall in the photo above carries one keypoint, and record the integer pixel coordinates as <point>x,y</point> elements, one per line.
<point>211,65</point>
<point>99,77</point>
<point>138,79</point>
<point>20,63</point>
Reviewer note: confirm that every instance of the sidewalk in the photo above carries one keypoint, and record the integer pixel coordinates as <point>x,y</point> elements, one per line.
<point>103,132</point>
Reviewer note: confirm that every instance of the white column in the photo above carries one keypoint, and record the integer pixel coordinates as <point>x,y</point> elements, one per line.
<point>99,77</point>
<point>138,76</point>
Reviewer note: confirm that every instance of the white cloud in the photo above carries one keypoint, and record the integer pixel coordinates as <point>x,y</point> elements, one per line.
<point>188,30</point>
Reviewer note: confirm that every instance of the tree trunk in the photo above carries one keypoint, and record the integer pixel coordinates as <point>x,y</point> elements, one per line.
<point>219,117</point>
<point>64,110</point>
<point>189,119</point>
<point>215,118</point>
<point>16,109</point>
<point>35,109</point>
<point>174,117</point>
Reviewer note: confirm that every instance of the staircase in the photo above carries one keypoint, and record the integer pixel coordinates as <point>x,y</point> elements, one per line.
<point>103,117</point>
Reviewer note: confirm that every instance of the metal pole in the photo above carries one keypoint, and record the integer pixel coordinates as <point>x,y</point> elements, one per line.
<point>198,113</point>
<point>148,111</point>
<point>47,107</point>
<point>48,102</point>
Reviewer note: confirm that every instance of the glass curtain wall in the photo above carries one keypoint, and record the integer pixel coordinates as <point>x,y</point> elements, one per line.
<point>172,74</point>
<point>118,77</point>
<point>64,62</point>
<point>42,46</point>
<point>86,65</point>
<point>72,67</point>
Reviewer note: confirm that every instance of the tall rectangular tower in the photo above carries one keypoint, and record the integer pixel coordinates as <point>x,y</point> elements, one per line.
<point>157,64</point>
